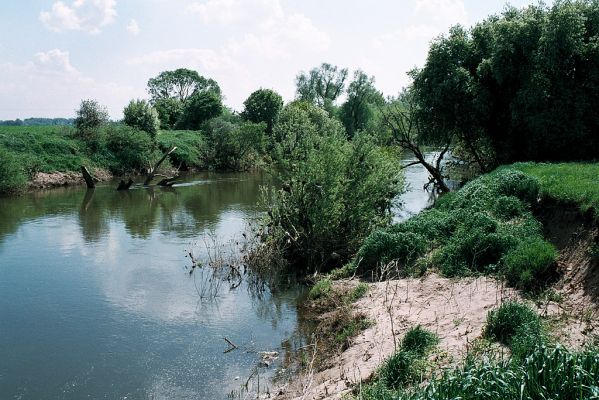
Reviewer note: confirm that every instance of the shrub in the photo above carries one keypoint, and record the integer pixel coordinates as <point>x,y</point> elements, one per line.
<point>199,108</point>
<point>419,340</point>
<point>169,111</point>
<point>508,207</point>
<point>321,288</point>
<point>263,105</point>
<point>358,292</point>
<point>141,115</point>
<point>12,175</point>
<point>191,148</point>
<point>529,262</point>
<point>333,195</point>
<point>407,364</point>
<point>90,117</point>
<point>131,148</point>
<point>516,325</point>
<point>383,246</point>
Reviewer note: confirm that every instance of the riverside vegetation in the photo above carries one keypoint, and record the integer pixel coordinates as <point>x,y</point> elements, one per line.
<point>513,99</point>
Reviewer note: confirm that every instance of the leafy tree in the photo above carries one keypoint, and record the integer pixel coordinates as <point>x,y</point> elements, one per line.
<point>322,85</point>
<point>522,85</point>
<point>131,148</point>
<point>141,115</point>
<point>90,116</point>
<point>169,111</point>
<point>361,104</point>
<point>263,105</point>
<point>200,107</point>
<point>233,145</point>
<point>180,84</point>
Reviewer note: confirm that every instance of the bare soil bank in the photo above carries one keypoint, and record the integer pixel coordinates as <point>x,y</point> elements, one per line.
<point>43,180</point>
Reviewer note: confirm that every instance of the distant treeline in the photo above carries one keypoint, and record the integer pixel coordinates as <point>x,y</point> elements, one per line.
<point>38,122</point>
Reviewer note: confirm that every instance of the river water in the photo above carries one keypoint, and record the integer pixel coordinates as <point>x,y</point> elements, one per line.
<point>96,299</point>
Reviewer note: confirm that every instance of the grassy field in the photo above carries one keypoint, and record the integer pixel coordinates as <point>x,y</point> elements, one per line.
<point>568,182</point>
<point>27,150</point>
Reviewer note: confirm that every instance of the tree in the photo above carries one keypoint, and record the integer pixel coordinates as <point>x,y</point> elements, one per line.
<point>361,105</point>
<point>180,84</point>
<point>322,85</point>
<point>141,115</point>
<point>519,86</point>
<point>200,107</point>
<point>263,105</point>
<point>90,116</point>
<point>169,111</point>
<point>403,118</point>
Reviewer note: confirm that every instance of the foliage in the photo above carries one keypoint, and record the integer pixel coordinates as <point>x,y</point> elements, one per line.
<point>233,145</point>
<point>334,193</point>
<point>199,108</point>
<point>352,329</point>
<point>528,261</point>
<point>321,288</point>
<point>358,292</point>
<point>169,110</point>
<point>141,115</point>
<point>12,176</point>
<point>522,84</point>
<point>191,148</point>
<point>90,117</point>
<point>360,108</point>
<point>131,148</point>
<point>321,86</point>
<point>406,365</point>
<point>516,325</point>
<point>263,105</point>
<point>575,183</point>
<point>486,227</point>
<point>547,373</point>
<point>180,84</point>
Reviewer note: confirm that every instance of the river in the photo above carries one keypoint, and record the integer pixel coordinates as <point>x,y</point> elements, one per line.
<point>96,298</point>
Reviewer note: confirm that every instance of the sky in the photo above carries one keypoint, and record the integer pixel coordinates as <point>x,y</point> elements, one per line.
<point>53,53</point>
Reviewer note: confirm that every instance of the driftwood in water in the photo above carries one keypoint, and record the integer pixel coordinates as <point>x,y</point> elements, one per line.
<point>89,179</point>
<point>125,185</point>
<point>168,182</point>
<point>152,171</point>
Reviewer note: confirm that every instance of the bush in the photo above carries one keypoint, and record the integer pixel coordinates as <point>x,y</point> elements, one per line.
<point>419,340</point>
<point>407,364</point>
<point>191,148</point>
<point>233,144</point>
<point>12,175</point>
<point>322,288</point>
<point>141,115</point>
<point>384,246</point>
<point>90,117</point>
<point>516,325</point>
<point>131,148</point>
<point>333,195</point>
<point>526,265</point>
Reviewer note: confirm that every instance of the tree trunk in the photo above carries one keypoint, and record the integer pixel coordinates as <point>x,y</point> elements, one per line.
<point>89,179</point>
<point>152,171</point>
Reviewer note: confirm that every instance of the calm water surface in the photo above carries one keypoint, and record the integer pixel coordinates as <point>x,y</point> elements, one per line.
<point>96,300</point>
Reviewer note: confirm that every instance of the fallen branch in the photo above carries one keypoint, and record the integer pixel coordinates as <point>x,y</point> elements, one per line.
<point>124,185</point>
<point>152,170</point>
<point>232,346</point>
<point>89,179</point>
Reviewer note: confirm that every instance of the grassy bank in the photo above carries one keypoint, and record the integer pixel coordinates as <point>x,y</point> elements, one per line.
<point>28,150</point>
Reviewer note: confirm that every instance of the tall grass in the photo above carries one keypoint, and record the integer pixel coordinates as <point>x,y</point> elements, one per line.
<point>547,373</point>
<point>576,183</point>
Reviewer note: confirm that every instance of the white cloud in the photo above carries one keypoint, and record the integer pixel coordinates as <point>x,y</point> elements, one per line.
<point>133,27</point>
<point>82,15</point>
<point>271,46</point>
<point>50,86</point>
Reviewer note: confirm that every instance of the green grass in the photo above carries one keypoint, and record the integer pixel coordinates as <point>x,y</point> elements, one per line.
<point>547,373</point>
<point>567,182</point>
<point>479,229</point>
<point>517,326</point>
<point>321,288</point>
<point>358,292</point>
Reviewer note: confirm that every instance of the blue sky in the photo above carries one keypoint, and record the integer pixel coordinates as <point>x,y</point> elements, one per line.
<point>55,53</point>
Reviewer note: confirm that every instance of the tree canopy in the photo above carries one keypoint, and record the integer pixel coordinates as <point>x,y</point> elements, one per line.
<point>263,105</point>
<point>322,85</point>
<point>519,86</point>
<point>180,84</point>
<point>360,107</point>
